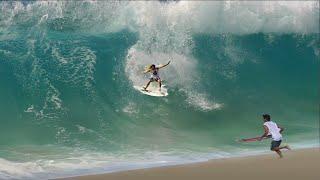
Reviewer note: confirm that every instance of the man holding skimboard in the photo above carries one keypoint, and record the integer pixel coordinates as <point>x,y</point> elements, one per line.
<point>271,128</point>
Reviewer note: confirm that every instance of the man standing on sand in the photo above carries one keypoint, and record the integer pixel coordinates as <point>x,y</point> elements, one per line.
<point>271,128</point>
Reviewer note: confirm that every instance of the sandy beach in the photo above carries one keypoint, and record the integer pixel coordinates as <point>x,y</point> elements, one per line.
<point>296,165</point>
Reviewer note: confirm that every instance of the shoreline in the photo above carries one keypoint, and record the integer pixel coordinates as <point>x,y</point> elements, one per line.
<point>303,162</point>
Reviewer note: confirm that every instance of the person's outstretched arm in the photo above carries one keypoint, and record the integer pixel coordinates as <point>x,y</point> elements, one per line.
<point>162,66</point>
<point>146,71</point>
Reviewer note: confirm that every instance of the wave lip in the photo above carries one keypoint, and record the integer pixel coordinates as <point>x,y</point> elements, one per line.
<point>239,17</point>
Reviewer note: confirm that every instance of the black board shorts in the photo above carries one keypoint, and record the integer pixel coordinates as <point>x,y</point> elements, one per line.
<point>155,78</point>
<point>275,144</point>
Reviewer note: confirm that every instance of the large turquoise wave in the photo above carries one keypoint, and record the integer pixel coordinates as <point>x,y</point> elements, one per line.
<point>67,71</point>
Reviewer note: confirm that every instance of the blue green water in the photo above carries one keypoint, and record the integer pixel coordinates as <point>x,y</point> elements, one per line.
<point>67,71</point>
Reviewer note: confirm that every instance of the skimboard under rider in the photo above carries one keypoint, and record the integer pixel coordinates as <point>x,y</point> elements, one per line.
<point>154,70</point>
<point>271,128</point>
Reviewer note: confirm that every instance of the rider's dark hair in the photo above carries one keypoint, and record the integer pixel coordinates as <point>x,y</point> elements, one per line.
<point>266,116</point>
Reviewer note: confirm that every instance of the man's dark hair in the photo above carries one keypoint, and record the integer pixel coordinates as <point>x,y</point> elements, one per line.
<point>266,116</point>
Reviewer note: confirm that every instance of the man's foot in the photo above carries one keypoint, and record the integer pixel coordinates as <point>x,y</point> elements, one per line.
<point>144,88</point>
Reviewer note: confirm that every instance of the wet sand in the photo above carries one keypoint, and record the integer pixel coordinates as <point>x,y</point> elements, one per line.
<point>296,165</point>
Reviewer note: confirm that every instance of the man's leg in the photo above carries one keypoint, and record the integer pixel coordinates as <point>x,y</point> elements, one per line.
<point>285,147</point>
<point>159,81</point>
<point>275,146</point>
<point>277,150</point>
<point>145,88</point>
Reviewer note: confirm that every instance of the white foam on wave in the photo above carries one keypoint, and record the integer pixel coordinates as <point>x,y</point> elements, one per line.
<point>130,108</point>
<point>34,80</point>
<point>76,67</point>
<point>240,17</point>
<point>84,163</point>
<point>93,163</point>
<point>202,102</point>
<point>15,170</point>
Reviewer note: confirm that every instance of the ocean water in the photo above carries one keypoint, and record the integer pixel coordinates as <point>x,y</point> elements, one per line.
<point>67,71</point>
